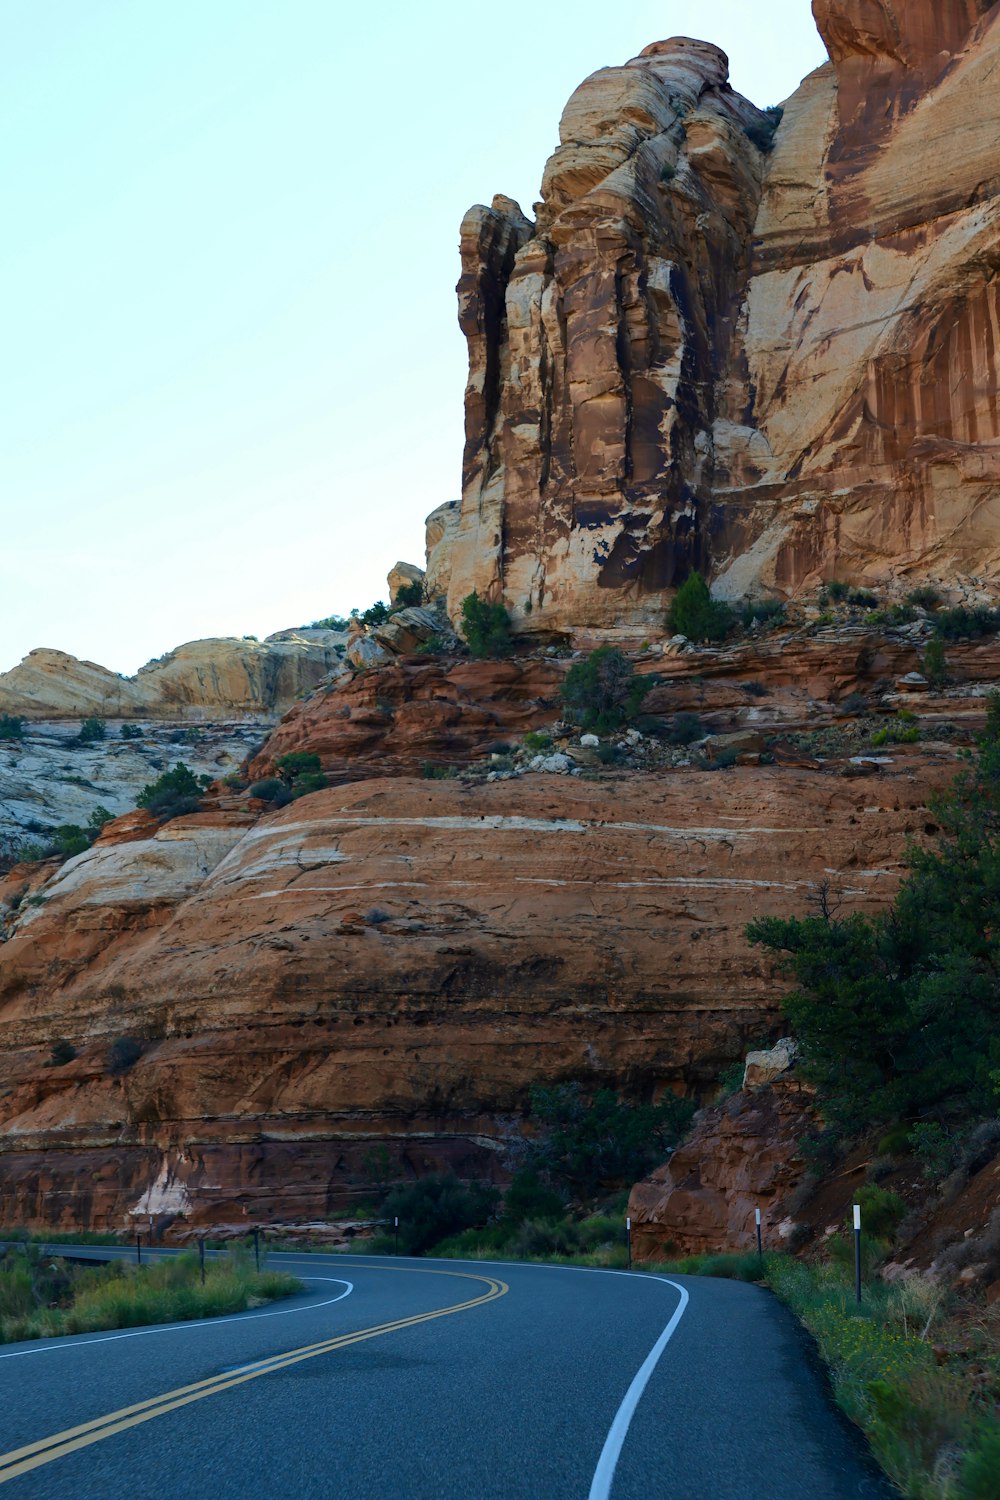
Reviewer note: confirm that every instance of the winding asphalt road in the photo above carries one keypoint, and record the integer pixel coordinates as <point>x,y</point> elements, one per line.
<point>423,1380</point>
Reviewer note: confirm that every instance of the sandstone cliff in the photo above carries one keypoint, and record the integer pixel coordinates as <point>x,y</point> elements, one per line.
<point>397,961</point>
<point>779,365</point>
<point>204,679</point>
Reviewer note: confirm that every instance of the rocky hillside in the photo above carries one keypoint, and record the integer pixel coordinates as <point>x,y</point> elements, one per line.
<point>766,349</point>
<point>255,998</point>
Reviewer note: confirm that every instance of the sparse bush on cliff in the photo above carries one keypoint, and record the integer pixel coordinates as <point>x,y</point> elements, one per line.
<point>685,728</point>
<point>69,840</point>
<point>271,789</point>
<point>300,772</point>
<point>176,792</point>
<point>762,132</point>
<point>92,731</point>
<point>409,596</point>
<point>62,1052</point>
<point>697,615</point>
<point>899,1014</point>
<point>935,663</point>
<point>968,624</point>
<point>131,732</point>
<point>924,597</point>
<point>123,1054</point>
<point>437,1206</point>
<point>602,692</point>
<point>340,623</point>
<point>486,627</point>
<point>11,727</point>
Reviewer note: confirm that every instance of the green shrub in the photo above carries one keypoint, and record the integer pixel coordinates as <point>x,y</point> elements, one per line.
<point>340,623</point>
<point>63,1052</point>
<point>934,1148</point>
<point>536,742</point>
<point>697,615</point>
<point>924,597</point>
<point>935,662</point>
<point>837,592</point>
<point>763,131</point>
<point>271,789</point>
<point>979,1478</point>
<point>91,731</point>
<point>962,623</point>
<point>410,595</point>
<point>486,627</point>
<point>882,1211</point>
<point>528,1197</point>
<point>899,1014</point>
<point>685,729</point>
<point>863,598</point>
<point>11,727</point>
<point>68,840</point>
<point>131,732</point>
<point>176,792</point>
<point>435,1207</point>
<point>123,1054</point>
<point>300,773</point>
<point>431,772</point>
<point>766,612</point>
<point>375,614</point>
<point>602,692</point>
<point>97,820</point>
<point>590,1143</point>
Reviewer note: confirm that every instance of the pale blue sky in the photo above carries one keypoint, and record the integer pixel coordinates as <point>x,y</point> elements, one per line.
<point>230,372</point>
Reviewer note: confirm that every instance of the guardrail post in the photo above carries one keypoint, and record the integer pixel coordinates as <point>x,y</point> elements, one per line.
<point>628,1243</point>
<point>857,1253</point>
<point>395,1223</point>
<point>760,1245</point>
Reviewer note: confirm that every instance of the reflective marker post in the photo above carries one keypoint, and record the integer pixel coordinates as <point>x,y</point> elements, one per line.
<point>760,1246</point>
<point>857,1252</point>
<point>628,1241</point>
<point>395,1223</point>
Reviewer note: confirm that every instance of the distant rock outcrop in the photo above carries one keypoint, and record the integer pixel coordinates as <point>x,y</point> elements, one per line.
<point>204,679</point>
<point>778,365</point>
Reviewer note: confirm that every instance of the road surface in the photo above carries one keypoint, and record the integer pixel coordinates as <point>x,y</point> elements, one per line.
<point>424,1380</point>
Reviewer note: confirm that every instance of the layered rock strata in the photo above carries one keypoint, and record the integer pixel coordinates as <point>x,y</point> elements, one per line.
<point>206,679</point>
<point>397,962</point>
<point>779,366</point>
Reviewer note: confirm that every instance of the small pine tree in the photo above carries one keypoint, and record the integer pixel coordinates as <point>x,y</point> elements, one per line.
<point>696,614</point>
<point>486,627</point>
<point>935,662</point>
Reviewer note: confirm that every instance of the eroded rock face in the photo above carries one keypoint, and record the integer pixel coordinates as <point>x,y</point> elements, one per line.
<point>742,1155</point>
<point>778,366</point>
<point>397,962</point>
<point>589,334</point>
<point>203,679</point>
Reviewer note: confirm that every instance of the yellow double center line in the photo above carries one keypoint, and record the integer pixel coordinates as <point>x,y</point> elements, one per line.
<point>33,1455</point>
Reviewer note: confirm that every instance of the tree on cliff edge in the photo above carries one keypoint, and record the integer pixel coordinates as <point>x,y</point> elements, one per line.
<point>899,1014</point>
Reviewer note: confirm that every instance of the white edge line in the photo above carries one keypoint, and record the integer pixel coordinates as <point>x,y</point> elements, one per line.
<point>600,1487</point>
<point>84,1341</point>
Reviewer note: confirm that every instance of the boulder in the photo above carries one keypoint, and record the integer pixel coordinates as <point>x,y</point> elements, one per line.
<point>403,575</point>
<point>764,1067</point>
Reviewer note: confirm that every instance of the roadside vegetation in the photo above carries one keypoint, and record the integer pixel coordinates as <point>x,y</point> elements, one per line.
<point>42,1296</point>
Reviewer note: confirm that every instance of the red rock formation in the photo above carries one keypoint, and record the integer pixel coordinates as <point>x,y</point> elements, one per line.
<point>645,393</point>
<point>421,710</point>
<point>397,962</point>
<point>743,1155</point>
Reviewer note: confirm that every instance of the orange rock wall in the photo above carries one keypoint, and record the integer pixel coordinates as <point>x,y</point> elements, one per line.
<point>396,962</point>
<point>778,366</point>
